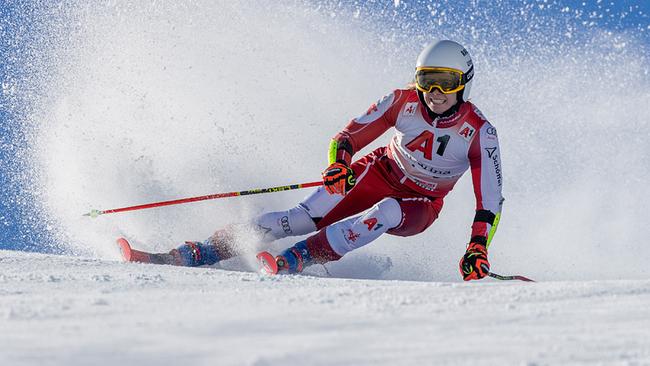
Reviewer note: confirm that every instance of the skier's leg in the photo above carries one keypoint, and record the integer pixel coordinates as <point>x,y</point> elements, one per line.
<point>334,241</point>
<point>280,224</point>
<point>404,217</point>
<point>299,220</point>
<point>355,232</point>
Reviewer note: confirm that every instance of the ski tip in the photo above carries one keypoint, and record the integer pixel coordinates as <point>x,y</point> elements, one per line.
<point>131,255</point>
<point>267,263</point>
<point>125,249</point>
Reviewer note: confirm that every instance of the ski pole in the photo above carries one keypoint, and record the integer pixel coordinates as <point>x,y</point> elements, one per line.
<point>509,278</point>
<point>95,213</point>
<point>505,278</point>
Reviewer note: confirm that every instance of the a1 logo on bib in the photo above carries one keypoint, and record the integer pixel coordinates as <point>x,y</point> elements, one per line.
<point>410,108</point>
<point>466,131</point>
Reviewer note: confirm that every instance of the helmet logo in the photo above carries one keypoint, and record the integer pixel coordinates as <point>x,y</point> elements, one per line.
<point>468,76</point>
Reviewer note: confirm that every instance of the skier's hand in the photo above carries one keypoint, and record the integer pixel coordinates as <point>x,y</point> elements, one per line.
<point>474,265</point>
<point>338,178</point>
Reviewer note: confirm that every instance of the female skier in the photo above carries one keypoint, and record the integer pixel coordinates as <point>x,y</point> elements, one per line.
<point>396,189</point>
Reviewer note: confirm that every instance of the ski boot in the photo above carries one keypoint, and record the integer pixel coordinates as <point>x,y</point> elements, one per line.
<point>292,260</point>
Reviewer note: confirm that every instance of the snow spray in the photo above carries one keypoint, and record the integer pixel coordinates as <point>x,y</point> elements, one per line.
<point>140,102</point>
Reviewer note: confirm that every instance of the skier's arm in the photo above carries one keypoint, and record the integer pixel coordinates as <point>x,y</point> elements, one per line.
<point>484,159</point>
<point>485,162</point>
<point>364,129</point>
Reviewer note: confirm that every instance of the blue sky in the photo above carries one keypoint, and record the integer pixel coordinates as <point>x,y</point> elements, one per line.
<point>23,228</point>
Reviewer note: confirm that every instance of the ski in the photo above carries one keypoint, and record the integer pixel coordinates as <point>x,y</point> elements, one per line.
<point>267,263</point>
<point>131,255</point>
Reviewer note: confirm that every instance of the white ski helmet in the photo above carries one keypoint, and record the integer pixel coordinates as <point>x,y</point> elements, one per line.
<point>452,55</point>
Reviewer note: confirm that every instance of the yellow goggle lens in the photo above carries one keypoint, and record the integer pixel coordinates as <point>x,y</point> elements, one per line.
<point>444,79</point>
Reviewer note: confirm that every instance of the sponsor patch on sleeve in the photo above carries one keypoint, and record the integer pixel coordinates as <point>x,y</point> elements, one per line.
<point>410,109</point>
<point>466,131</point>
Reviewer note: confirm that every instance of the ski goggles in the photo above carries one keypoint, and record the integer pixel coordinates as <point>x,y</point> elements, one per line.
<point>445,79</point>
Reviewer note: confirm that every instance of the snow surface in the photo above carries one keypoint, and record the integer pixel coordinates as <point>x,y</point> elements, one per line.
<point>81,311</point>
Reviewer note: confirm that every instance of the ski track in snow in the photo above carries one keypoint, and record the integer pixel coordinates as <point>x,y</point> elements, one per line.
<point>77,311</point>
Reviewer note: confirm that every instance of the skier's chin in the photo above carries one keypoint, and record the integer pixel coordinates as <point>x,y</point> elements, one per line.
<point>440,108</point>
<point>440,103</point>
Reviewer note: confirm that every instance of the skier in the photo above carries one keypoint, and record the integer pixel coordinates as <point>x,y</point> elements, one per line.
<point>396,189</point>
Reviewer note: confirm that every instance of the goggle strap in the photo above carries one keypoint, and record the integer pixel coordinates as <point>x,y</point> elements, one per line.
<point>467,76</point>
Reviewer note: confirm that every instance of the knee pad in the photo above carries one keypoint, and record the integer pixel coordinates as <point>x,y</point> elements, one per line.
<point>391,210</point>
<point>355,232</point>
<point>277,225</point>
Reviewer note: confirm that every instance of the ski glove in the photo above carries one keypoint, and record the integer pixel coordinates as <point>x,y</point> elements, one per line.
<point>338,178</point>
<point>474,265</point>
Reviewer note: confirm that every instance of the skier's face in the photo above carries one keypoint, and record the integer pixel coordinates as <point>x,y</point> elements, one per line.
<point>438,102</point>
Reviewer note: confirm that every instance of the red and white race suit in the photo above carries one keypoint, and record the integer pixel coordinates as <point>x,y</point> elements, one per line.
<point>400,188</point>
<point>433,155</point>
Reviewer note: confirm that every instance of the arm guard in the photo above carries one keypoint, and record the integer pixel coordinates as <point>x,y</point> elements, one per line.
<point>481,218</point>
<point>340,151</point>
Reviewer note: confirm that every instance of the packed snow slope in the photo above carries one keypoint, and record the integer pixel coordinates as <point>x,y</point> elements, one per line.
<point>123,103</point>
<point>80,311</point>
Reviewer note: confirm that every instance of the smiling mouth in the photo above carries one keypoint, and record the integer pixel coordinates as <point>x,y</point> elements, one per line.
<point>438,101</point>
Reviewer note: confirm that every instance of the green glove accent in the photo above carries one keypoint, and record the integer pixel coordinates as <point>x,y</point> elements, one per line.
<point>493,229</point>
<point>334,148</point>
